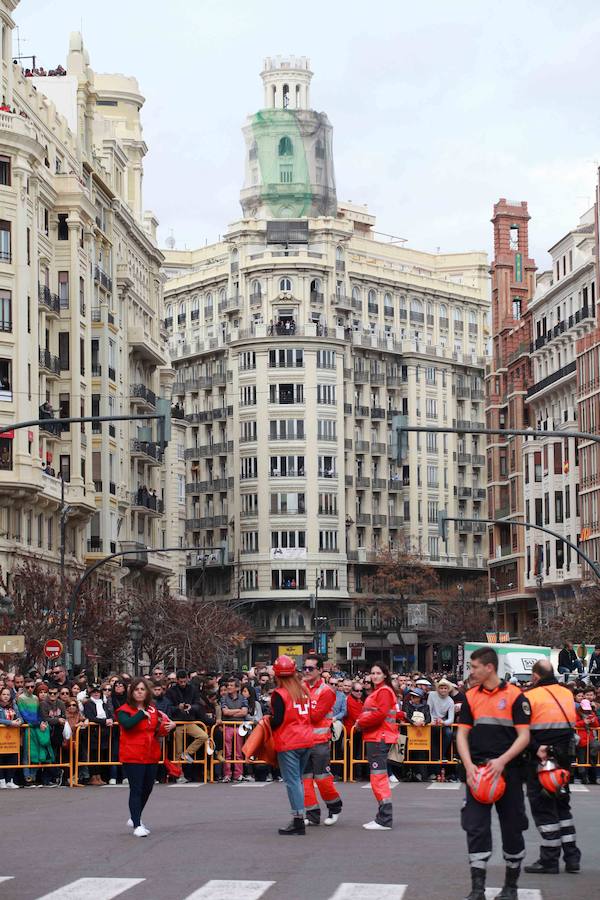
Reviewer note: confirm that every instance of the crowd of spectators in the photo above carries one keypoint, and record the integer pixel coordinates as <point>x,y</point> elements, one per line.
<point>55,708</point>
<point>40,72</point>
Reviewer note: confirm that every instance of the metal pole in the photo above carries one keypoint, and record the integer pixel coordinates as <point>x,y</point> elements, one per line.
<point>317,642</point>
<point>507,432</point>
<point>496,613</point>
<point>62,531</point>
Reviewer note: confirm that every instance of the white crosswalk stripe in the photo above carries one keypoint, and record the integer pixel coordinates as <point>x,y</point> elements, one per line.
<point>524,893</point>
<point>444,786</point>
<point>231,890</point>
<point>355,891</point>
<point>93,889</point>
<point>6,877</point>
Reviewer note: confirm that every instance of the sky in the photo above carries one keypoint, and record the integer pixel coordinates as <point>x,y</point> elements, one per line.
<point>438,109</point>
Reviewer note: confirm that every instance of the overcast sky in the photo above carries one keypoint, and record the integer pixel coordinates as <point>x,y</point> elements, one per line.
<point>438,108</point>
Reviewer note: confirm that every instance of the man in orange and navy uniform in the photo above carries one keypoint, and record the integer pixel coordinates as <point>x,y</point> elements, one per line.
<point>493,731</point>
<point>318,770</point>
<point>552,729</point>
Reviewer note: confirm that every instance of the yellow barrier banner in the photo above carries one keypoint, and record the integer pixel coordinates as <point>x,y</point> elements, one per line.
<point>10,739</point>
<point>419,738</point>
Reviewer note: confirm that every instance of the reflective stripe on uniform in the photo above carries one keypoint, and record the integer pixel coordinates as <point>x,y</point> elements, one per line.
<point>546,843</point>
<point>494,720</point>
<point>545,829</point>
<point>568,838</point>
<point>479,860</point>
<point>544,726</point>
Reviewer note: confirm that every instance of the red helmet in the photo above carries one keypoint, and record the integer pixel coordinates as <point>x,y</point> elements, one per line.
<point>284,665</point>
<point>487,788</point>
<point>552,779</point>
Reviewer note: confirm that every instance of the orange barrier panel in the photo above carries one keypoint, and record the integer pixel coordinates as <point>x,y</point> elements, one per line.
<point>16,742</point>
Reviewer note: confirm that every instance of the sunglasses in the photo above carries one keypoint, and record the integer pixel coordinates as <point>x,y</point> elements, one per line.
<point>309,668</point>
<point>52,693</point>
<point>72,706</point>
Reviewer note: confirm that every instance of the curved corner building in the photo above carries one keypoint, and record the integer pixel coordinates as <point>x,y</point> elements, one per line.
<point>295,340</point>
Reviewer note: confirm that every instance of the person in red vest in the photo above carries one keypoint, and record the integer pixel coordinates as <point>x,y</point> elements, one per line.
<point>141,726</point>
<point>318,769</point>
<point>292,736</point>
<point>379,727</point>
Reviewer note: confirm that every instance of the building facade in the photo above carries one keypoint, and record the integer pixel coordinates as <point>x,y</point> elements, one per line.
<point>508,379</point>
<point>82,330</point>
<point>295,341</point>
<point>563,311</point>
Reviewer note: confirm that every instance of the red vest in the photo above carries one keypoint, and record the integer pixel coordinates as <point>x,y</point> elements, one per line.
<point>295,732</point>
<point>323,697</point>
<point>378,717</point>
<point>140,744</point>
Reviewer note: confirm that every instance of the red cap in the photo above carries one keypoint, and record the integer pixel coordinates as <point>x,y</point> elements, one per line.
<point>284,665</point>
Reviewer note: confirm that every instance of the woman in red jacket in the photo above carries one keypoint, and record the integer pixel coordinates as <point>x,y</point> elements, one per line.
<point>141,726</point>
<point>292,736</point>
<point>378,724</point>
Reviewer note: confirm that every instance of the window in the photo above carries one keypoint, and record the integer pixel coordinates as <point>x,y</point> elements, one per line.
<point>432,512</point>
<point>249,542</point>
<point>431,442</point>
<point>5,179</point>
<point>285,393</point>
<point>5,241</point>
<point>65,467</point>
<point>248,467</point>
<point>63,350</point>
<point>327,429</point>
<point>248,431</point>
<point>537,466</point>
<point>248,395</point>
<point>433,547</point>
<point>6,460</point>
<point>326,394</point>
<point>286,173</point>
<point>327,466</point>
<point>432,476</point>
<point>63,228</point>
<point>516,308</point>
<point>285,285</point>
<point>330,581</point>
<point>247,360</point>
<point>286,359</point>
<point>249,580</point>
<point>288,540</point>
<point>288,579</point>
<point>328,505</point>
<point>558,506</point>
<point>286,147</point>
<point>431,408</point>
<point>325,359</point>
<point>5,311</point>
<point>328,541</point>
<point>430,372</point>
<point>287,504</point>
<point>249,505</point>
<point>513,237</point>
<point>286,466</point>
<point>63,289</point>
<point>256,290</point>
<point>286,429</point>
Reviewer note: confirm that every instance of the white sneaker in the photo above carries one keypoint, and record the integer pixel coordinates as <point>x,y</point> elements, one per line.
<point>112,780</point>
<point>210,748</point>
<point>140,831</point>
<point>125,781</point>
<point>185,757</point>
<point>394,780</point>
<point>331,819</point>
<point>375,826</point>
<point>12,785</point>
<point>181,780</point>
<point>269,777</point>
<point>130,823</point>
<point>2,784</point>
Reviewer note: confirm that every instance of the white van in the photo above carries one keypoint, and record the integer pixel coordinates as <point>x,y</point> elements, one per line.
<point>514,660</point>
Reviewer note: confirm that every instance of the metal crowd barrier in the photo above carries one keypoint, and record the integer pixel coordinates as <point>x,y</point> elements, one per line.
<point>15,752</point>
<point>97,747</point>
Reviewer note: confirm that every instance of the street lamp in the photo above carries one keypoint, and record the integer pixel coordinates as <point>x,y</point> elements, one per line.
<point>135,631</point>
<point>314,604</point>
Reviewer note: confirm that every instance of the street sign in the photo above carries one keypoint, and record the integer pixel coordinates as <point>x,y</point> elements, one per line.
<point>503,637</point>
<point>52,649</point>
<point>12,643</point>
<point>355,650</point>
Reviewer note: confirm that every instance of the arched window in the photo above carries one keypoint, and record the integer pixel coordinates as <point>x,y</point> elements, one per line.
<point>315,286</point>
<point>182,309</point>
<point>286,147</point>
<point>387,299</point>
<point>416,306</point>
<point>319,150</point>
<point>285,284</point>
<point>169,311</point>
<point>355,293</point>
<point>472,317</point>
<point>209,300</point>
<point>298,95</point>
<point>458,316</point>
<point>291,618</point>
<point>222,295</point>
<point>339,254</point>
<point>372,297</point>
<point>286,96</point>
<point>256,289</point>
<point>430,313</point>
<point>443,315</point>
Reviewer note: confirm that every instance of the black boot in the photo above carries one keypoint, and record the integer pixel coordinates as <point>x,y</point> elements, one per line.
<point>477,884</point>
<point>541,868</point>
<point>296,826</point>
<point>509,889</point>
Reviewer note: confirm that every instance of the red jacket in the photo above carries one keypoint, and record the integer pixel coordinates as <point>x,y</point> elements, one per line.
<point>585,727</point>
<point>140,742</point>
<point>296,731</point>
<point>354,708</point>
<point>378,718</point>
<point>322,700</point>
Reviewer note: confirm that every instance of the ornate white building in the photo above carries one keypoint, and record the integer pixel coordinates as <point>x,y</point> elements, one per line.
<point>563,310</point>
<point>295,341</point>
<point>82,329</point>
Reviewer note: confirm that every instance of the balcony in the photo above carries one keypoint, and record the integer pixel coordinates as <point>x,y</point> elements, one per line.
<point>203,522</point>
<point>96,370</point>
<point>373,309</point>
<point>394,381</point>
<point>463,392</point>
<point>148,451</point>
<point>388,312</point>
<point>563,372</point>
<point>102,278</point>
<point>464,459</point>
<point>363,518</point>
<point>349,481</point>
<point>146,347</point>
<point>463,527</point>
<point>340,301</point>
<point>502,512</point>
<point>379,520</point>
<point>395,484</point>
<point>361,412</point>
<point>181,318</point>
<point>316,298</point>
<point>217,449</point>
<point>137,554</point>
<point>464,492</point>
<point>396,521</point>
<point>361,446</point>
<point>378,448</point>
<point>146,502</point>
<point>479,527</point>
<point>169,322</point>
<point>377,412</point>
<point>49,362</point>
<point>232,304</point>
<point>377,378</point>
<point>95,545</point>
<point>379,484</point>
<point>208,487</point>
<point>479,493</point>
<point>361,376</point>
<point>363,482</point>
<point>48,300</point>
<point>141,395</point>
<point>478,459</point>
<point>347,409</point>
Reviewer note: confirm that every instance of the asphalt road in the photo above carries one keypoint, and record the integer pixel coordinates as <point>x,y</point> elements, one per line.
<point>209,833</point>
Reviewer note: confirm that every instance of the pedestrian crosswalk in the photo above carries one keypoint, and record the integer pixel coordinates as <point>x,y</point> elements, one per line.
<point>231,889</point>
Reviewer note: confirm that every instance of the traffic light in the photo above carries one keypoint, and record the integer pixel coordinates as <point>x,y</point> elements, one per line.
<point>443,524</point>
<point>163,407</point>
